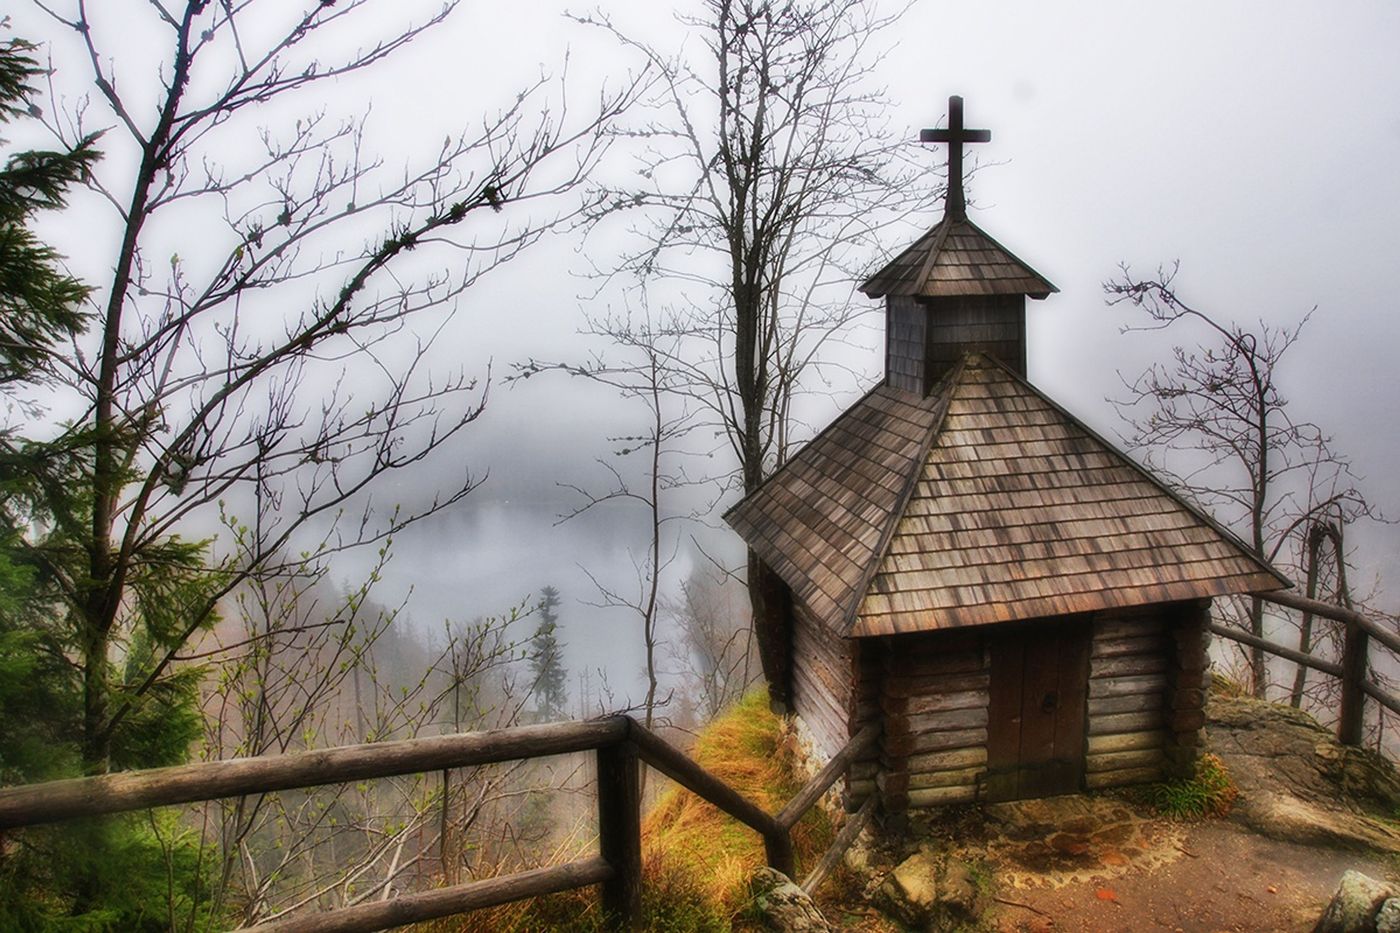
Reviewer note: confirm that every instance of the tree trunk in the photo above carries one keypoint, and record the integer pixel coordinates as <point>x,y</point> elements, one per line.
<point>1305,634</point>
<point>771,604</point>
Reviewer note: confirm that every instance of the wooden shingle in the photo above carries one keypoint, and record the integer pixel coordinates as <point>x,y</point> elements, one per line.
<point>957,258</point>
<point>982,503</point>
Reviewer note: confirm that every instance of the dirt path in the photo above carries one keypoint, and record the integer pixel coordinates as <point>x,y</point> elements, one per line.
<point>1225,878</point>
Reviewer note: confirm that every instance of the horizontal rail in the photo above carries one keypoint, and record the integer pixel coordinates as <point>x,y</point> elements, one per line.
<point>210,780</point>
<point>1337,613</point>
<point>1297,657</point>
<point>445,902</point>
<point>797,807</point>
<point>1381,696</point>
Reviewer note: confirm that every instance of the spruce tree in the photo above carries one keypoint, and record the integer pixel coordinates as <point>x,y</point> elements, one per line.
<point>546,659</point>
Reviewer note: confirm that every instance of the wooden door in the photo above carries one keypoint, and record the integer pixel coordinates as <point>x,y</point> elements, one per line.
<point>1035,733</point>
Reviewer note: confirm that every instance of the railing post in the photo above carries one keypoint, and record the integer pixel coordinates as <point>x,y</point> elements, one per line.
<point>620,832</point>
<point>1351,720</point>
<point>778,845</point>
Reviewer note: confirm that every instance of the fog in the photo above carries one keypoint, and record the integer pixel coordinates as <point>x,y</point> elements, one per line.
<point>1253,142</point>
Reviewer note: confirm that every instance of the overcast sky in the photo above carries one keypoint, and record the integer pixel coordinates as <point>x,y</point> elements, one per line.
<point>1255,142</point>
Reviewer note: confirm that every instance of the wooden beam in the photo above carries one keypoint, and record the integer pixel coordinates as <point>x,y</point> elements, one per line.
<point>1297,657</point>
<point>1338,613</point>
<point>620,833</point>
<point>444,902</point>
<point>115,793</point>
<point>678,767</point>
<point>840,844</point>
<point>797,807</point>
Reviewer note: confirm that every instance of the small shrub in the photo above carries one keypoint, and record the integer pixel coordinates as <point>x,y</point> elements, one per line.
<point>1211,792</point>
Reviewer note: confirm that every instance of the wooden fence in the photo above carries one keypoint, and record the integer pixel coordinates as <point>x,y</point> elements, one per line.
<point>620,744</point>
<point>1356,646</point>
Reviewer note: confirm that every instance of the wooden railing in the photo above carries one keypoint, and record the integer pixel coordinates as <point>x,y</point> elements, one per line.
<point>1356,687</point>
<point>620,744</point>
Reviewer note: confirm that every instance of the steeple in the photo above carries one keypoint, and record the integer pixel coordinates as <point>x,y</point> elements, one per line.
<point>955,290</point>
<point>955,205</point>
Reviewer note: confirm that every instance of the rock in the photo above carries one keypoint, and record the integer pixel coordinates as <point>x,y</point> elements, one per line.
<point>929,891</point>
<point>1388,918</point>
<point>785,907</point>
<point>911,889</point>
<point>1297,783</point>
<point>1354,908</point>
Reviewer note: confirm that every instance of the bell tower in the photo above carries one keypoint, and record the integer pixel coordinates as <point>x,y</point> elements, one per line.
<point>955,290</point>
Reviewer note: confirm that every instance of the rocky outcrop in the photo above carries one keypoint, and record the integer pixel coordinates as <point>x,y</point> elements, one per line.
<point>931,891</point>
<point>785,907</point>
<point>1361,905</point>
<point>1297,783</point>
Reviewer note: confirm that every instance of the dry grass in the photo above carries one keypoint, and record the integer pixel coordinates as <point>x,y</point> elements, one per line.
<point>698,861</point>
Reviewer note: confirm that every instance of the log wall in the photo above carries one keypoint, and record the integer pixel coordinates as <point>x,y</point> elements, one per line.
<point>934,699</point>
<point>835,693</point>
<point>1146,694</point>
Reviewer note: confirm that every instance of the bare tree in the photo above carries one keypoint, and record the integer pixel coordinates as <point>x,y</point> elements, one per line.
<point>767,177</point>
<point>266,371</point>
<point>304,665</point>
<point>1216,420</point>
<point>637,372</point>
<point>716,655</point>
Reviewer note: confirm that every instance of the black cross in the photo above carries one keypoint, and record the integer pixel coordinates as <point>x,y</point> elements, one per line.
<point>955,135</point>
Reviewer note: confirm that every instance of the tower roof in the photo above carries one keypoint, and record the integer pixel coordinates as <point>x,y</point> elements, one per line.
<point>957,257</point>
<point>983,502</point>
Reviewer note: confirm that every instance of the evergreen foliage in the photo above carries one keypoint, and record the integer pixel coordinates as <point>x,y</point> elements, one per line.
<point>138,872</point>
<point>546,660</point>
<point>40,304</point>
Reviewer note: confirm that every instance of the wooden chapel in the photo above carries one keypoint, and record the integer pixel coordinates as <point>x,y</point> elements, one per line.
<point>1021,606</point>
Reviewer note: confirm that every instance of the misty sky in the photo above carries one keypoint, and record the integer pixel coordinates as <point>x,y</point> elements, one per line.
<point>1255,142</point>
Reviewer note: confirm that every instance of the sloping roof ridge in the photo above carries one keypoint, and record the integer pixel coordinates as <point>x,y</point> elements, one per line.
<point>1017,259</point>
<point>803,449</point>
<point>911,482</point>
<point>933,231</point>
<point>926,267</point>
<point>1144,472</point>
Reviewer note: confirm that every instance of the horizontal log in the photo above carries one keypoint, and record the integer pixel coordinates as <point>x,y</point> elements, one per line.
<point>1337,613</point>
<point>1127,665</point>
<point>1126,722</point>
<point>445,902</point>
<point>1381,696</point>
<point>1122,686</point>
<point>820,783</point>
<point>932,741</point>
<point>936,666</point>
<point>946,761</point>
<point>966,777</point>
<point>1132,703</point>
<point>937,702</point>
<point>1137,644</point>
<point>1129,627</point>
<point>1101,779</point>
<point>677,766</point>
<point>935,683</point>
<point>211,780</point>
<point>1126,741</point>
<point>957,719</point>
<point>1122,761</point>
<point>1297,657</point>
<point>939,796</point>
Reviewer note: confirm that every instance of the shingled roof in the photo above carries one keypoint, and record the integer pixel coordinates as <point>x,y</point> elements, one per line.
<point>957,258</point>
<point>984,502</point>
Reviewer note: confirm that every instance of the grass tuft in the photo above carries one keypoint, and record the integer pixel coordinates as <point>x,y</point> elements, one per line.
<point>1210,792</point>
